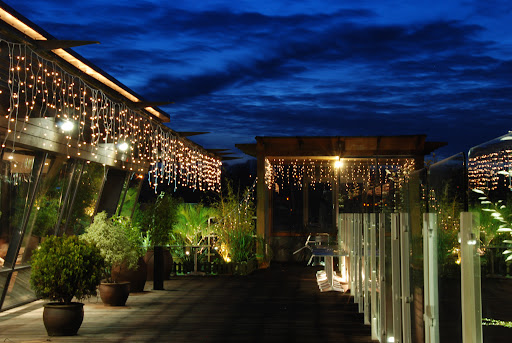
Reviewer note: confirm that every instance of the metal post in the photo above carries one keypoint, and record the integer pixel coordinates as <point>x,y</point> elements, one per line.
<point>405,277</point>
<point>373,275</point>
<point>382,277</point>
<point>430,278</point>
<point>395,278</point>
<point>367,268</point>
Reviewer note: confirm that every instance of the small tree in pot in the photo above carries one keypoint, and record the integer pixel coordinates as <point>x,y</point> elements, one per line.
<point>157,220</point>
<point>64,268</point>
<point>116,248</point>
<point>136,276</point>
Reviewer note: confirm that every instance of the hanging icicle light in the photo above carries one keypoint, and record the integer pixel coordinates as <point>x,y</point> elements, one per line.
<point>39,88</point>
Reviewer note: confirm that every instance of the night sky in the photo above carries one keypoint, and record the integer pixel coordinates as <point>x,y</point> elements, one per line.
<point>241,69</point>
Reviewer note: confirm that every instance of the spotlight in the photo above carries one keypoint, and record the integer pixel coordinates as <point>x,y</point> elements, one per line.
<point>67,126</point>
<point>123,146</point>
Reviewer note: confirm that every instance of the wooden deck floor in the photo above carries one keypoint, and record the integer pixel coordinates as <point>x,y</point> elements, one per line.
<point>279,304</point>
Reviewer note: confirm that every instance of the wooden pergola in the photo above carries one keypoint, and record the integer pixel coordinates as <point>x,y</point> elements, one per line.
<point>320,148</point>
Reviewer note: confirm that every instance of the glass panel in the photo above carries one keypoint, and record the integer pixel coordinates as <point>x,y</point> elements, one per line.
<point>87,192</point>
<point>129,195</point>
<point>49,200</point>
<point>19,172</point>
<point>416,206</point>
<point>447,198</point>
<point>381,285</point>
<point>3,280</point>
<point>490,199</point>
<point>387,284</point>
<point>18,290</point>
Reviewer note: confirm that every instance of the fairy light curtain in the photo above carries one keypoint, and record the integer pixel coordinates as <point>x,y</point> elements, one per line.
<point>39,88</point>
<point>298,173</point>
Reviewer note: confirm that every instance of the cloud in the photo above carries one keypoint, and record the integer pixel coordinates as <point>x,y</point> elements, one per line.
<point>240,70</point>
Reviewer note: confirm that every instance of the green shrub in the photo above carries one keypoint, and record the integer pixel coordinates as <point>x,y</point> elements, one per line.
<point>113,242</point>
<point>157,219</point>
<point>66,267</point>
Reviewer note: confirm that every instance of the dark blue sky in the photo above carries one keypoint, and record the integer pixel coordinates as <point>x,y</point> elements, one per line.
<point>241,69</point>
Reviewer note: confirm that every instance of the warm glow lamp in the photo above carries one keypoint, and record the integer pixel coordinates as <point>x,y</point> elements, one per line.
<point>123,146</point>
<point>67,126</point>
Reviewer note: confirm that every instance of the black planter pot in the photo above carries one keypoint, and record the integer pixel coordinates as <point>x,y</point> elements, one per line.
<point>63,319</point>
<point>168,261</point>
<point>114,294</point>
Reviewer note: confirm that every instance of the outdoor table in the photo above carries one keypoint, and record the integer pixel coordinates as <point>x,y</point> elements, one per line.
<point>327,279</point>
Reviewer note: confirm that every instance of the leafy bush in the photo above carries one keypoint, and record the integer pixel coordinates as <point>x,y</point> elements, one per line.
<point>158,218</point>
<point>235,226</point>
<point>66,267</point>
<point>113,242</point>
<point>192,222</point>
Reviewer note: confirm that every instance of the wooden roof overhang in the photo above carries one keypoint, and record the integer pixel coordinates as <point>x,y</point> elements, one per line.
<point>333,147</point>
<point>16,28</point>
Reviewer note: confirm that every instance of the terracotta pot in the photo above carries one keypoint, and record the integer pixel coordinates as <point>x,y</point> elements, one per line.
<point>137,277</point>
<point>62,319</point>
<point>114,294</point>
<point>167,264</point>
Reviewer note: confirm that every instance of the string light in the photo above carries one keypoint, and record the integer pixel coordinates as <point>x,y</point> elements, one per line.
<point>353,172</point>
<point>486,170</point>
<point>40,89</point>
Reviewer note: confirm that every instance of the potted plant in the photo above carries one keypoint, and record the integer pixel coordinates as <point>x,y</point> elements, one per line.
<point>64,268</point>
<point>136,276</point>
<point>157,220</point>
<point>116,248</point>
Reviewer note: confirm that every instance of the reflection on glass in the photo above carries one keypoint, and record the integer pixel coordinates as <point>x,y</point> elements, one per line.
<point>128,198</point>
<point>18,289</point>
<point>17,176</point>
<point>47,206</point>
<point>416,206</point>
<point>447,198</point>
<point>490,198</point>
<point>84,198</point>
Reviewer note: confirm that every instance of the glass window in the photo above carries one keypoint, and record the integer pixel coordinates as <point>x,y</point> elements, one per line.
<point>48,202</point>
<point>128,198</point>
<point>85,198</point>
<point>18,173</point>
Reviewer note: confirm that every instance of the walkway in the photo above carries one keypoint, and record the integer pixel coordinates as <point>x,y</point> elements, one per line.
<point>279,304</point>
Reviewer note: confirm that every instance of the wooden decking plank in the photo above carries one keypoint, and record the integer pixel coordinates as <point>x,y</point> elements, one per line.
<point>280,304</point>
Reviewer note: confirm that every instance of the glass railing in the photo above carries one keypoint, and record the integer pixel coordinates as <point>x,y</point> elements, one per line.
<point>447,199</point>
<point>490,200</point>
<point>430,260</point>
<point>416,206</point>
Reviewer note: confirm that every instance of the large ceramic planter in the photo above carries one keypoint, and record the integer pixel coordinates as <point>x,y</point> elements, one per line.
<point>137,277</point>
<point>150,264</point>
<point>63,319</point>
<point>114,294</point>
